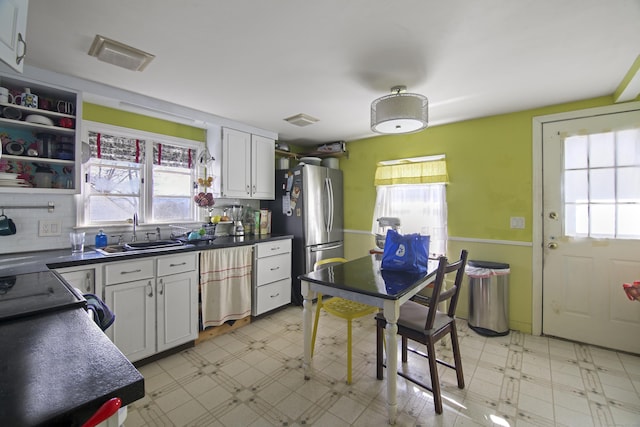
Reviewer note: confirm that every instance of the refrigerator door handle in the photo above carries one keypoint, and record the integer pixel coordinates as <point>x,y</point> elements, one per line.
<point>327,206</point>
<point>325,248</point>
<point>330,183</point>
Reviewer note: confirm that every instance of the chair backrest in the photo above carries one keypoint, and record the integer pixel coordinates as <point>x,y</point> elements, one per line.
<point>324,262</point>
<point>445,268</point>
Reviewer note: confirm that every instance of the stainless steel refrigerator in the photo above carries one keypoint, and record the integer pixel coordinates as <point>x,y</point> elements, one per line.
<point>309,205</point>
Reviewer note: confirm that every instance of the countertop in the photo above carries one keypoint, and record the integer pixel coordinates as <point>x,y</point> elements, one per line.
<point>33,262</point>
<point>58,368</point>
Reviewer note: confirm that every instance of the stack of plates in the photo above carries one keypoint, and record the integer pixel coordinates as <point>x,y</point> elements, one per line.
<point>11,180</point>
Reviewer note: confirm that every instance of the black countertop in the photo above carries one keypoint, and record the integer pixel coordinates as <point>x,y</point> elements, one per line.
<point>32,262</point>
<point>58,368</point>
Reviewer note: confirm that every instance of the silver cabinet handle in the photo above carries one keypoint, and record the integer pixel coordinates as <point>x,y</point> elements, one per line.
<point>87,282</point>
<point>177,265</point>
<point>24,52</point>
<point>276,248</point>
<point>161,291</point>
<point>129,272</point>
<point>276,295</point>
<point>150,294</point>
<point>275,268</point>
<point>248,189</point>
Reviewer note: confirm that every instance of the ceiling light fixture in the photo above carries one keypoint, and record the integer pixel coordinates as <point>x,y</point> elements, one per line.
<point>119,54</point>
<point>400,112</point>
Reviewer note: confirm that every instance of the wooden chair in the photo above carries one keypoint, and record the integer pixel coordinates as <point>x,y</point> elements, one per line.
<point>340,307</point>
<point>427,325</point>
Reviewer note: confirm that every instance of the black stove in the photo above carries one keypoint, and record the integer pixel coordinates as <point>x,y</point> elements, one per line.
<point>32,293</point>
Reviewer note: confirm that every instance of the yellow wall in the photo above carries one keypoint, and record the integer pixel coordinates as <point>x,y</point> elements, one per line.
<point>490,180</point>
<point>112,116</point>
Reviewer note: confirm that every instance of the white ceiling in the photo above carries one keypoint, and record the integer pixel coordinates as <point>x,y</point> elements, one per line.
<point>258,62</point>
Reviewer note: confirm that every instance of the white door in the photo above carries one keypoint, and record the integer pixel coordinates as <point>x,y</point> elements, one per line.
<point>591,229</point>
<point>177,310</point>
<point>13,28</point>
<point>263,168</point>
<point>134,330</point>
<point>236,163</point>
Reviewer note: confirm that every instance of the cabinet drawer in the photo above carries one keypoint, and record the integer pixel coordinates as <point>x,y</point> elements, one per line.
<point>174,264</point>
<point>273,268</point>
<point>272,296</point>
<point>276,247</point>
<point>129,271</point>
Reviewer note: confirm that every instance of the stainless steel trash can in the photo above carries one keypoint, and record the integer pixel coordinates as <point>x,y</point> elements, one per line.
<point>488,297</point>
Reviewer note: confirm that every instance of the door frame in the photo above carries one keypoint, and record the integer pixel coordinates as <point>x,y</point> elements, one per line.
<point>537,253</point>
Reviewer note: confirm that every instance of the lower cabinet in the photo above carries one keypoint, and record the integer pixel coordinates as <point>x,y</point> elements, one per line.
<point>155,301</point>
<point>86,278</point>
<point>272,276</point>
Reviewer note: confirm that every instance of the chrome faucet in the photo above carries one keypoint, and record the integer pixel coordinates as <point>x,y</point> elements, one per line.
<point>135,224</point>
<point>158,234</point>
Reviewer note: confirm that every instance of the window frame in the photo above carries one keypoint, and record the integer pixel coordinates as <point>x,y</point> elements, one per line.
<point>146,191</point>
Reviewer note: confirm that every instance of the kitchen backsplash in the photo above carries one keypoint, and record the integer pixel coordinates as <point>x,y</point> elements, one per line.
<point>27,239</point>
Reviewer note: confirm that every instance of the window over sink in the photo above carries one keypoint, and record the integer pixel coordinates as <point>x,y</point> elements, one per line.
<point>127,171</point>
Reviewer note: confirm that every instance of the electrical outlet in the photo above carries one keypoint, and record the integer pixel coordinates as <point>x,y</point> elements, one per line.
<point>517,222</point>
<point>49,228</point>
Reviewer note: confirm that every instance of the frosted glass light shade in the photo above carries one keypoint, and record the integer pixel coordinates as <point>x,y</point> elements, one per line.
<point>399,113</point>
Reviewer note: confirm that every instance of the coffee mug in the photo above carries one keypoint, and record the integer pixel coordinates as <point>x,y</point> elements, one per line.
<point>65,107</point>
<point>27,99</point>
<point>7,227</point>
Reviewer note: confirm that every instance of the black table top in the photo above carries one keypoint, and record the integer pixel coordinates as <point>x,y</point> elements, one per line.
<point>58,368</point>
<point>364,276</point>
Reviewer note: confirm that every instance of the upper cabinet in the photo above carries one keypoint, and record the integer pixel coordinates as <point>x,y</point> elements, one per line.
<point>13,28</point>
<point>40,145</point>
<point>248,165</point>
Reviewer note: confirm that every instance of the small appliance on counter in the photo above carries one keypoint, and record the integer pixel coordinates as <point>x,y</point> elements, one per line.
<point>385,223</point>
<point>237,216</point>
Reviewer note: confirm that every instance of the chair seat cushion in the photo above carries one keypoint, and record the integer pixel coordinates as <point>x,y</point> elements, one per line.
<point>414,316</point>
<point>347,309</point>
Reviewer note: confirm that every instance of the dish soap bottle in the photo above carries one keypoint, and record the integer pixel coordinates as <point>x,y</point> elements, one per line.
<point>101,239</point>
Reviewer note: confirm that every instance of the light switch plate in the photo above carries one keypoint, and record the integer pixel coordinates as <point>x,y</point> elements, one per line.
<point>48,228</point>
<point>517,222</point>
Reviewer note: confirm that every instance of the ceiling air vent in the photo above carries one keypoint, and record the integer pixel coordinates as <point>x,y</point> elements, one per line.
<point>301,120</point>
<point>119,54</point>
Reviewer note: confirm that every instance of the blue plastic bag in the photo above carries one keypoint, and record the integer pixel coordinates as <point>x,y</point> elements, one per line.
<point>405,253</point>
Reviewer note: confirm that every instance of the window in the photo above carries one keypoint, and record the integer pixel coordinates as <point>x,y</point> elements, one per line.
<point>602,185</point>
<point>131,171</point>
<point>414,191</point>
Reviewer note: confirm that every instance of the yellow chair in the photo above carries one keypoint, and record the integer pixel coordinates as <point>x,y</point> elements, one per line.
<point>340,307</point>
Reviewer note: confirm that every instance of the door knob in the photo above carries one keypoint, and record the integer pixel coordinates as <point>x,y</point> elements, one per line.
<point>553,215</point>
<point>552,245</point>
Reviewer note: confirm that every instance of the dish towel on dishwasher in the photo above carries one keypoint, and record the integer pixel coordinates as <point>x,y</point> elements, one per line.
<point>225,284</point>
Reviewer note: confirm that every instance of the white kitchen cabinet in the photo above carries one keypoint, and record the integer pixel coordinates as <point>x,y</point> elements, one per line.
<point>272,276</point>
<point>34,145</point>
<point>88,279</point>
<point>248,165</point>
<point>13,30</point>
<point>155,301</point>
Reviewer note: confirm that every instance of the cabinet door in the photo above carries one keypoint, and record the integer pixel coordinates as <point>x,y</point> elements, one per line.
<point>263,168</point>
<point>80,279</point>
<point>13,26</point>
<point>177,297</point>
<point>236,163</point>
<point>134,330</point>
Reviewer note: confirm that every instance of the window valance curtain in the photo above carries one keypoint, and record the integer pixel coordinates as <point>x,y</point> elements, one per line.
<point>428,172</point>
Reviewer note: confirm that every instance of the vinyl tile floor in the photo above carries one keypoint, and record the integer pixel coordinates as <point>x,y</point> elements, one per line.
<point>252,377</point>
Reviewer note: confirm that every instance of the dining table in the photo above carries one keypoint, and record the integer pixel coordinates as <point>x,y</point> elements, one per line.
<point>363,280</point>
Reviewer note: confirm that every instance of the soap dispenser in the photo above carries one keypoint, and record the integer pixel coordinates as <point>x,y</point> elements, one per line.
<point>101,239</point>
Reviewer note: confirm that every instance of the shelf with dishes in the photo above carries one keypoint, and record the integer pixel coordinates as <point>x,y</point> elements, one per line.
<point>15,116</point>
<point>38,173</point>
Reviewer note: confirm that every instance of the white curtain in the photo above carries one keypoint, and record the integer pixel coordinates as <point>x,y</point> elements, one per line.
<point>422,208</point>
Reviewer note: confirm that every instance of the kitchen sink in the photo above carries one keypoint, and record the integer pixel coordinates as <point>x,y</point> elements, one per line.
<point>134,247</point>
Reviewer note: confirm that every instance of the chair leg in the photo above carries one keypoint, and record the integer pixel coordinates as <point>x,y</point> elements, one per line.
<point>405,344</point>
<point>315,324</point>
<point>435,379</point>
<point>456,355</point>
<point>379,351</point>
<point>349,351</point>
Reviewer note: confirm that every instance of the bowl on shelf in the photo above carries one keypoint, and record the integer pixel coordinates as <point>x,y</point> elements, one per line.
<point>315,161</point>
<point>38,119</point>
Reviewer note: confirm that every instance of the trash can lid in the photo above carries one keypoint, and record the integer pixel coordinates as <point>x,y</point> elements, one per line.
<point>487,264</point>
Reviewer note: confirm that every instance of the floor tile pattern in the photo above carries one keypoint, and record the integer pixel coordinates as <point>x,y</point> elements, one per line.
<point>252,377</point>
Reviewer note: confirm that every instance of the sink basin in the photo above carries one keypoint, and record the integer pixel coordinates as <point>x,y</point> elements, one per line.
<point>155,244</point>
<point>139,247</point>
